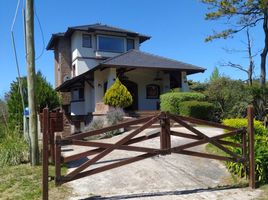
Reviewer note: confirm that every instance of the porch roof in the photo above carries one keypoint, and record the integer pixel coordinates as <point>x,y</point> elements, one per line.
<point>139,59</point>
<point>132,59</point>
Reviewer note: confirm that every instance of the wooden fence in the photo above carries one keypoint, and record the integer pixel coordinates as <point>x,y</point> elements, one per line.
<point>52,144</point>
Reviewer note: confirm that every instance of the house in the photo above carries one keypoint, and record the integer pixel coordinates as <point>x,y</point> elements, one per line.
<point>89,58</point>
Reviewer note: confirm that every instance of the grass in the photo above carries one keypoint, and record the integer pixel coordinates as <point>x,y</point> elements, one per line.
<point>24,182</point>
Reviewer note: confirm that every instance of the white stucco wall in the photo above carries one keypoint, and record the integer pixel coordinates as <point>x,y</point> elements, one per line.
<point>89,98</point>
<point>100,77</point>
<point>78,108</point>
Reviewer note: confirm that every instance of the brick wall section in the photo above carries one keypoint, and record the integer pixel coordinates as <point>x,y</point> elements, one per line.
<point>63,60</point>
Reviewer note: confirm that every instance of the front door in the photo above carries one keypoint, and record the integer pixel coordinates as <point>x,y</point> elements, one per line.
<point>133,89</point>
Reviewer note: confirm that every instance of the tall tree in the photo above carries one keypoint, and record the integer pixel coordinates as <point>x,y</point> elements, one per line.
<point>215,75</point>
<point>30,59</point>
<point>250,68</point>
<point>241,14</point>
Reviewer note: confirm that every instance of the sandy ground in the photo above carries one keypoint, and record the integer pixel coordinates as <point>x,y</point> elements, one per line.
<point>167,177</point>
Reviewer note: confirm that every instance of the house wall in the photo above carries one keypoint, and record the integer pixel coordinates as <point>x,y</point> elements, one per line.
<point>100,77</point>
<point>62,58</point>
<point>89,98</point>
<point>87,58</point>
<point>78,108</point>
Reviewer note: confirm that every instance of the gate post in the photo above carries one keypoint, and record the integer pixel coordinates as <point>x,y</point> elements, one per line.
<point>57,159</point>
<point>252,182</point>
<point>165,143</point>
<point>45,123</point>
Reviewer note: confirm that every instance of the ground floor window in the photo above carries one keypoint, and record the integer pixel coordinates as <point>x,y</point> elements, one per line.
<point>152,91</point>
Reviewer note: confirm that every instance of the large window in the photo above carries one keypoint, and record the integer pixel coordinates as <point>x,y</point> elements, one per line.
<point>130,44</point>
<point>78,94</point>
<point>86,41</point>
<point>111,44</point>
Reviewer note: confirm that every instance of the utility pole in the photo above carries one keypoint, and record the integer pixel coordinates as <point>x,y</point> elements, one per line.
<point>30,59</point>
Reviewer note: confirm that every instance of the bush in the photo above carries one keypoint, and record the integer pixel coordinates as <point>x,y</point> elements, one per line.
<point>171,101</point>
<point>96,123</point>
<point>13,149</point>
<point>230,98</point>
<point>261,149</point>
<point>113,118</point>
<point>118,95</point>
<point>197,109</point>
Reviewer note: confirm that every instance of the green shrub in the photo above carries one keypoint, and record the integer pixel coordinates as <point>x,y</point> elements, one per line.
<point>259,129</point>
<point>114,117</point>
<point>13,149</point>
<point>197,109</point>
<point>171,101</point>
<point>118,95</point>
<point>260,148</point>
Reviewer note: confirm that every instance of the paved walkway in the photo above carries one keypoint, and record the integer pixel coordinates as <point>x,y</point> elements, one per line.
<point>168,177</point>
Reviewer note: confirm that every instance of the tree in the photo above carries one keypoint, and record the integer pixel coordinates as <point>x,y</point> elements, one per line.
<point>45,95</point>
<point>248,70</point>
<point>230,97</point>
<point>245,14</point>
<point>215,75</point>
<point>118,95</point>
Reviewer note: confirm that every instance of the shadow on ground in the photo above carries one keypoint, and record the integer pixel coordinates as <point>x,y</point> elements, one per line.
<point>161,194</point>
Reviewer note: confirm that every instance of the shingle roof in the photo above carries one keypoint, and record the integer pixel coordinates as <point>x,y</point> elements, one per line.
<point>139,59</point>
<point>93,28</point>
<point>134,59</point>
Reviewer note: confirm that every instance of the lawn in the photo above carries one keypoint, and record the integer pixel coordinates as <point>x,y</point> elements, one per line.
<point>24,182</point>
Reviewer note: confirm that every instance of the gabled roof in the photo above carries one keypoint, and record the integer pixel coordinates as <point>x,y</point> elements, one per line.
<point>133,59</point>
<point>93,28</point>
<point>139,59</point>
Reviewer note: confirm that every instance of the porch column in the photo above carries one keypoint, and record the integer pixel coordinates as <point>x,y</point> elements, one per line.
<point>184,83</point>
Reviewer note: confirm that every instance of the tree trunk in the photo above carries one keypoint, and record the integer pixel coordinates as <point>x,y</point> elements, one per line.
<point>30,57</point>
<point>251,63</point>
<point>264,52</point>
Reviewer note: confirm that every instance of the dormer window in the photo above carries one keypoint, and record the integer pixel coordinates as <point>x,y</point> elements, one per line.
<point>111,44</point>
<point>130,44</point>
<point>86,41</point>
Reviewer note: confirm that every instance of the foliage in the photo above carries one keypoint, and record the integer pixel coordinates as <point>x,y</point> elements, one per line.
<point>197,109</point>
<point>114,117</point>
<point>215,75</point>
<point>171,101</point>
<point>230,98</point>
<point>3,112</point>
<point>45,96</point>
<point>244,13</point>
<point>261,149</point>
<point>240,15</point>
<point>96,123</point>
<point>260,97</point>
<point>118,95</point>
<point>13,148</point>
<point>23,182</point>
<point>197,86</point>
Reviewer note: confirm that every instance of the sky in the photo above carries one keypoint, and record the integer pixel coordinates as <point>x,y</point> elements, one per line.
<point>177,27</point>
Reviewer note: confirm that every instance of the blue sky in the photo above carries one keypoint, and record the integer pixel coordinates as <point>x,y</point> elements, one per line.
<point>177,27</point>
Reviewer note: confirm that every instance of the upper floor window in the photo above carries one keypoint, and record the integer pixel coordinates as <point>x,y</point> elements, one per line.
<point>111,44</point>
<point>77,94</point>
<point>86,41</point>
<point>130,44</point>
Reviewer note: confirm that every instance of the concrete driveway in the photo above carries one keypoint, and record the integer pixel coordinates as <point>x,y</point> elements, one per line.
<point>172,176</point>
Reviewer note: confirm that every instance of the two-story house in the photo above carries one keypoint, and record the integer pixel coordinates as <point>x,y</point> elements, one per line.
<point>89,58</point>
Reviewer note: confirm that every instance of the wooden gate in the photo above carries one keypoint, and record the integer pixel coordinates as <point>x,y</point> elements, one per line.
<point>52,144</point>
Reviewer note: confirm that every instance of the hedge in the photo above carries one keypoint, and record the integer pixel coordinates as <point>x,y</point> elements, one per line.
<point>197,109</point>
<point>260,149</point>
<point>171,101</point>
